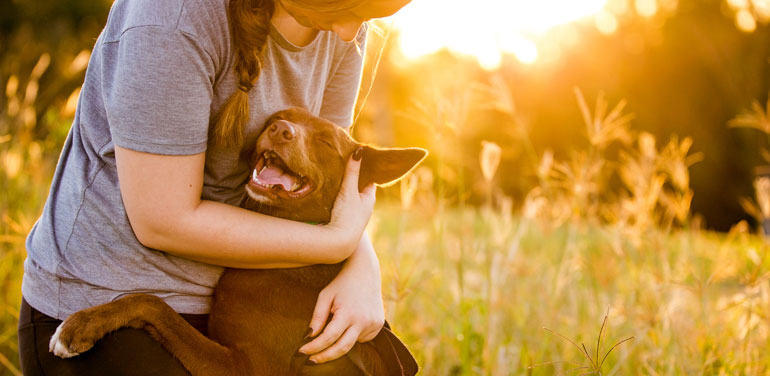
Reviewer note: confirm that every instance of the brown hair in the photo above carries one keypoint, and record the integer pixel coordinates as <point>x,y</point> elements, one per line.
<point>249,29</point>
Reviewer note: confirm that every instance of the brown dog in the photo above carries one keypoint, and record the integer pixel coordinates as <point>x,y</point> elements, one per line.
<point>259,317</point>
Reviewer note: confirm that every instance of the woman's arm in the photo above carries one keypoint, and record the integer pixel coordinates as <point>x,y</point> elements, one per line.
<point>354,298</point>
<point>162,199</point>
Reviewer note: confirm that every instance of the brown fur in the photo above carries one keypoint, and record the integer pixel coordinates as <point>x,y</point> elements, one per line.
<point>259,317</point>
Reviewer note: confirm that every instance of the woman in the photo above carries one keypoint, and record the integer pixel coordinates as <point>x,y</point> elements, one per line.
<point>144,196</point>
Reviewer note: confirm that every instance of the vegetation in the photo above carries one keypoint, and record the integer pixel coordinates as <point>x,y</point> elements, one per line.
<point>595,235</point>
<point>546,234</point>
<point>471,288</point>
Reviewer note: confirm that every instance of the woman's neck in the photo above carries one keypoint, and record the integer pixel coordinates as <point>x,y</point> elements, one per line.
<point>290,29</point>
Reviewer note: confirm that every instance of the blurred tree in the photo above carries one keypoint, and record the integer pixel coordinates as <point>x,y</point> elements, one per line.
<point>59,28</point>
<point>683,72</point>
<point>687,73</point>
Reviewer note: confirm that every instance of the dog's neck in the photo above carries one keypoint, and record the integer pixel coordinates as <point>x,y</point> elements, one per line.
<point>274,211</point>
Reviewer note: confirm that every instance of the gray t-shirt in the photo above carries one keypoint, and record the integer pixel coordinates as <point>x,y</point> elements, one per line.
<point>159,73</point>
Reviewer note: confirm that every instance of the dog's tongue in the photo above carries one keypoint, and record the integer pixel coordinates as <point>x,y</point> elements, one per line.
<point>274,175</point>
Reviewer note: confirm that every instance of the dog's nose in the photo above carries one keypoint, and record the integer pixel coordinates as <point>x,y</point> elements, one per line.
<point>282,131</point>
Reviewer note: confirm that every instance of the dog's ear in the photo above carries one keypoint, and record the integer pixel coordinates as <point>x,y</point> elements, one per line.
<point>383,166</point>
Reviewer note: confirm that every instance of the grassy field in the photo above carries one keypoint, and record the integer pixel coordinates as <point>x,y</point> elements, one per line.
<point>602,250</point>
<point>469,300</point>
<point>695,302</point>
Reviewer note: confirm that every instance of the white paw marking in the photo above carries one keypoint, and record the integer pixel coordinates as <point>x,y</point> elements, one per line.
<point>55,346</point>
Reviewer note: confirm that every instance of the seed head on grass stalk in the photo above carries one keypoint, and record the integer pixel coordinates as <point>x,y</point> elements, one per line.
<point>496,95</point>
<point>489,159</point>
<point>757,118</point>
<point>762,190</point>
<point>605,128</point>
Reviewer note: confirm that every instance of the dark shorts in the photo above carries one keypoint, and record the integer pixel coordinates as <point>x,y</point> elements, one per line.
<point>127,351</point>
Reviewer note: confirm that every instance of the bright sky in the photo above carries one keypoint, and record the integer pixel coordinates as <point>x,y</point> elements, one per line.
<point>486,29</point>
<point>489,29</point>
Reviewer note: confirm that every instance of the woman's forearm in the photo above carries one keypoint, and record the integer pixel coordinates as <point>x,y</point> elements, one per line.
<point>363,262</point>
<point>224,235</point>
<point>162,197</point>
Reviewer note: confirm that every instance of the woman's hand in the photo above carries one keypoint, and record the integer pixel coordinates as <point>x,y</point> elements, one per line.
<point>352,209</point>
<point>354,299</point>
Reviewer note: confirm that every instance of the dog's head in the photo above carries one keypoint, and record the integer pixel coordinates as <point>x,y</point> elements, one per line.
<point>299,161</point>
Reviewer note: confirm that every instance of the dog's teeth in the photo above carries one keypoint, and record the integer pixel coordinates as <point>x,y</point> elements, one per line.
<point>263,169</point>
<point>295,187</point>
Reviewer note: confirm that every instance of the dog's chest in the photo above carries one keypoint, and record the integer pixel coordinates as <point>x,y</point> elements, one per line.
<point>273,286</point>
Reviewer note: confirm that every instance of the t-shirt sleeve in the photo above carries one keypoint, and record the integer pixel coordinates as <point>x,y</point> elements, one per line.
<point>342,90</point>
<point>158,91</point>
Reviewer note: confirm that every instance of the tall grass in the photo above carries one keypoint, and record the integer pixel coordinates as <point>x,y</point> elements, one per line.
<point>31,137</point>
<point>695,302</point>
<point>605,231</point>
<point>609,226</point>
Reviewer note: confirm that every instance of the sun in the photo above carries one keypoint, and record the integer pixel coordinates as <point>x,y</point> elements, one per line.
<point>486,29</point>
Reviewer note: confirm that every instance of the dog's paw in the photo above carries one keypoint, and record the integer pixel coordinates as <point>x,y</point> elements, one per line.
<point>70,339</point>
<point>59,348</point>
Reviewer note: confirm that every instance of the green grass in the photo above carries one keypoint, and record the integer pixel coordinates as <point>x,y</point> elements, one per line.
<point>696,302</point>
<point>504,289</point>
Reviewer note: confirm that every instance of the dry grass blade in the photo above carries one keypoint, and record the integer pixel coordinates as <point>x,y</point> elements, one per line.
<point>585,351</point>
<point>583,107</point>
<point>617,111</point>
<point>604,128</point>
<point>9,366</point>
<point>600,110</point>
<point>758,118</point>
<point>12,238</point>
<point>601,330</point>
<point>558,362</point>
<point>762,191</point>
<point>613,348</point>
<point>563,337</point>
<point>496,95</point>
<point>577,368</point>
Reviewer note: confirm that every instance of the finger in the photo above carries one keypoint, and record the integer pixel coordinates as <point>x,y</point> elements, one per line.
<point>321,312</point>
<point>369,195</point>
<point>369,335</point>
<point>329,336</point>
<point>340,348</point>
<point>350,181</point>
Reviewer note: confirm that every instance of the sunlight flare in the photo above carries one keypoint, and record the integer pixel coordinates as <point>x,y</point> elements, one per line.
<point>489,29</point>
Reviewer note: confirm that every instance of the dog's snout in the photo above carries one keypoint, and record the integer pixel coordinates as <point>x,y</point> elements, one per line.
<point>282,131</point>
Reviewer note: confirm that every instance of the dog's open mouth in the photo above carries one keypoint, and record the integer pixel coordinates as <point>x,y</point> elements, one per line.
<point>272,178</point>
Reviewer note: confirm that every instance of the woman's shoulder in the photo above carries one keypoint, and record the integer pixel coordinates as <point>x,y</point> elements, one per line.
<point>205,20</point>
